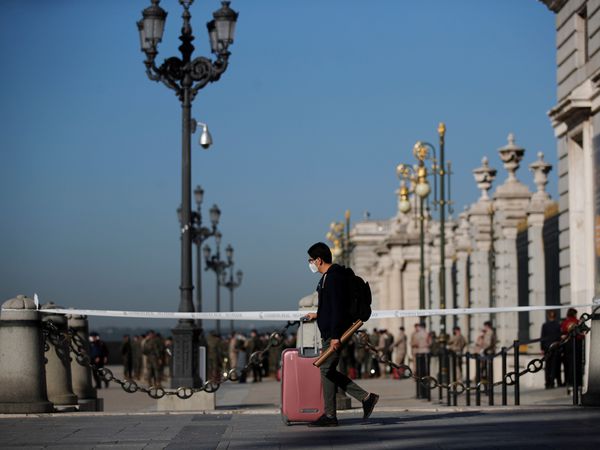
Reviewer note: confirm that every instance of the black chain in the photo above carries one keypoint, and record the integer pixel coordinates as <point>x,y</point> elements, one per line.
<point>78,347</point>
<point>74,341</point>
<point>458,387</point>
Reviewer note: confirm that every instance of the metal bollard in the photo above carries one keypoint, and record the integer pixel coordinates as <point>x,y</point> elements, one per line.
<point>517,370</point>
<point>504,396</point>
<point>575,371</point>
<point>440,374</point>
<point>82,374</point>
<point>468,377</point>
<point>490,378</point>
<point>477,380</point>
<point>454,359</point>
<point>58,367</point>
<point>427,372</point>
<point>22,375</point>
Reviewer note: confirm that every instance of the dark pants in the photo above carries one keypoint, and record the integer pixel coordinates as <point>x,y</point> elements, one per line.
<point>576,359</point>
<point>422,367</point>
<point>552,369</point>
<point>333,379</point>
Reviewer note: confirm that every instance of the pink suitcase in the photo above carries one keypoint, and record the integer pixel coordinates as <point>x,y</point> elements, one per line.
<point>301,391</point>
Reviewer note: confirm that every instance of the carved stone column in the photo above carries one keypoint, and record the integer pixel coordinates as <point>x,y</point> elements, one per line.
<point>463,249</point>
<point>511,200</point>
<point>540,201</point>
<point>479,218</point>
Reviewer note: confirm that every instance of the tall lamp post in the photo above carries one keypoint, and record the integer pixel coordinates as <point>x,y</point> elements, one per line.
<point>417,176</point>
<point>231,284</point>
<point>186,76</point>
<point>214,263</point>
<point>440,172</point>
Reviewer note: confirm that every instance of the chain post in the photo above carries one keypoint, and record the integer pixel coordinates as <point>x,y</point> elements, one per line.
<point>468,376</point>
<point>477,380</point>
<point>454,388</point>
<point>428,373</point>
<point>517,374</point>
<point>490,371</point>
<point>575,372</point>
<point>504,397</point>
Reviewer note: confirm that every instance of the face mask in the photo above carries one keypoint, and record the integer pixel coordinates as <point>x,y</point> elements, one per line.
<point>313,267</point>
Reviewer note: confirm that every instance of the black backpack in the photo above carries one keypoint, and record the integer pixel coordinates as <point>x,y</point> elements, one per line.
<point>360,296</point>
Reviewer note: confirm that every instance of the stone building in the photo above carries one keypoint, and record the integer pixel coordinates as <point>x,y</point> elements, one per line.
<point>498,253</point>
<point>576,125</point>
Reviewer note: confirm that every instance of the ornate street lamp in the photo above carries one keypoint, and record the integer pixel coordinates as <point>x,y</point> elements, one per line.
<point>231,284</point>
<point>218,266</point>
<point>186,76</point>
<point>417,176</point>
<point>440,170</point>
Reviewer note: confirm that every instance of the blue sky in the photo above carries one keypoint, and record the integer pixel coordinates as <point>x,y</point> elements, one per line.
<point>321,100</point>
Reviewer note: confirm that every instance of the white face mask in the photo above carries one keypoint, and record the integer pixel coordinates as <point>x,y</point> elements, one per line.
<point>313,267</point>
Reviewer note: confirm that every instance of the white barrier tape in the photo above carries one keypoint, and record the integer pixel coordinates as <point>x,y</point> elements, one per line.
<point>296,315</point>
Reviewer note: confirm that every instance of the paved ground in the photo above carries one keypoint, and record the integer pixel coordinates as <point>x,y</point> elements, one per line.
<point>247,417</point>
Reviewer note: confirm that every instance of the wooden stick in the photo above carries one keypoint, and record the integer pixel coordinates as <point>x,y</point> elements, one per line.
<point>345,337</point>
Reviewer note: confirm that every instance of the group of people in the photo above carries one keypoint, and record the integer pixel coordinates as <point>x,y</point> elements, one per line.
<point>235,351</point>
<point>147,357</point>
<point>568,357</point>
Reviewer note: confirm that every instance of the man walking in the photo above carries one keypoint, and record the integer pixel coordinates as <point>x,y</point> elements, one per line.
<point>333,319</point>
<point>551,334</point>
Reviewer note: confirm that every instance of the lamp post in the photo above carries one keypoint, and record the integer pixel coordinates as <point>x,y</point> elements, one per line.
<point>440,170</point>
<point>339,236</point>
<point>186,76</point>
<point>417,176</point>
<point>231,284</point>
<point>214,263</point>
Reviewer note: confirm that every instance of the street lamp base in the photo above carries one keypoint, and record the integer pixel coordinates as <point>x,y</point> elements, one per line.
<point>186,367</point>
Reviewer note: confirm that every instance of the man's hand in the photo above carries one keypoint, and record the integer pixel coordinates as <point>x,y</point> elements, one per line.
<point>310,317</point>
<point>335,344</point>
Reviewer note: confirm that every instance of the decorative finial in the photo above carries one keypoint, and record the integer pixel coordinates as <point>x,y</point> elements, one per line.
<point>511,156</point>
<point>484,176</point>
<point>540,169</point>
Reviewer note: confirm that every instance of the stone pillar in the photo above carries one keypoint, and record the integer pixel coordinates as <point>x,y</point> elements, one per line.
<point>511,200</point>
<point>540,201</point>
<point>22,374</point>
<point>81,374</point>
<point>463,294</point>
<point>385,264</point>
<point>480,220</point>
<point>395,283</point>
<point>58,367</point>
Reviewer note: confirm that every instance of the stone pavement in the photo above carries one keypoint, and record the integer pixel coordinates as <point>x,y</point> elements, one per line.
<point>247,417</point>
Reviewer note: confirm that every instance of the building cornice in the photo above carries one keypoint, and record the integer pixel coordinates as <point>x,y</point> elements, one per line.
<point>554,5</point>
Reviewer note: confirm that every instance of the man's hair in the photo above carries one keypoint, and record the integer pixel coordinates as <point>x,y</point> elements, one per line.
<point>320,250</point>
<point>487,323</point>
<point>456,328</point>
<point>571,312</point>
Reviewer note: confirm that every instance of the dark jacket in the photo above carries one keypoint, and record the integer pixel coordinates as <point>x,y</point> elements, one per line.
<point>333,315</point>
<point>550,334</point>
